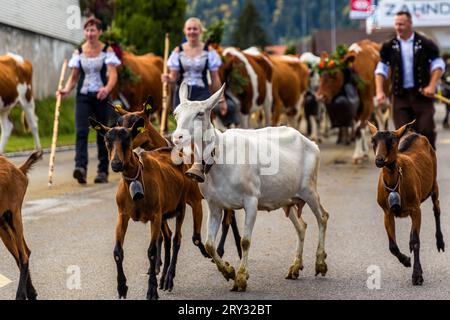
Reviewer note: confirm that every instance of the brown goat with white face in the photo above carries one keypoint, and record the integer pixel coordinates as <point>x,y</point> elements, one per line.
<point>151,140</point>
<point>407,178</point>
<point>13,185</point>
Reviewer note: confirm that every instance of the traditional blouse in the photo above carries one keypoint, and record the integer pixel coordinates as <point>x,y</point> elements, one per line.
<point>92,69</point>
<point>193,68</point>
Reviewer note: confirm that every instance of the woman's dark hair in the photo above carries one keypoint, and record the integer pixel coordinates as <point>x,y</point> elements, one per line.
<point>92,21</point>
<point>404,13</point>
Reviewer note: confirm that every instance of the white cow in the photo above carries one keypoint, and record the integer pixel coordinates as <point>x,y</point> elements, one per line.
<point>288,180</point>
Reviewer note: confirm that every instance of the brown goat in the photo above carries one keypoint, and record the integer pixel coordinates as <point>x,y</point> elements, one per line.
<point>407,178</point>
<point>165,196</point>
<point>151,140</point>
<point>13,185</point>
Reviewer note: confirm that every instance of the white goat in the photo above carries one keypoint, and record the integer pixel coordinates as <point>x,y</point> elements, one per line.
<point>253,185</point>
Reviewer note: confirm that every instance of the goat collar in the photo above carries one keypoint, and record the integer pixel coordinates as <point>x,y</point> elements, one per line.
<point>210,152</point>
<point>139,171</point>
<point>400,175</point>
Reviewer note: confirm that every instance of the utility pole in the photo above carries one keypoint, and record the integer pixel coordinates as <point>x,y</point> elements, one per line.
<point>333,25</point>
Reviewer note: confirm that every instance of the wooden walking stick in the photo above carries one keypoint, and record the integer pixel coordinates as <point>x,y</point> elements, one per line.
<point>442,99</point>
<point>165,93</point>
<point>51,165</point>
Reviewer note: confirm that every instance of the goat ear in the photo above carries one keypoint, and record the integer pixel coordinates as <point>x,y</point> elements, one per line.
<point>184,92</point>
<point>373,129</point>
<point>118,109</point>
<point>138,127</point>
<point>97,126</point>
<point>215,98</point>
<point>148,106</point>
<point>400,132</point>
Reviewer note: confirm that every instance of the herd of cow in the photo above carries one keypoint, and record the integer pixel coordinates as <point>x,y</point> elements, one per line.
<point>276,91</point>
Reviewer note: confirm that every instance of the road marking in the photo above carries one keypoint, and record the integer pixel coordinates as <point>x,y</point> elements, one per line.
<point>444,141</point>
<point>4,281</point>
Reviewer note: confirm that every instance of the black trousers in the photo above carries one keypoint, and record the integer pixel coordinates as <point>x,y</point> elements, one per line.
<point>413,105</point>
<point>89,106</point>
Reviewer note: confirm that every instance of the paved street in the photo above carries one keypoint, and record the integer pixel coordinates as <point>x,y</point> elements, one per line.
<point>71,228</point>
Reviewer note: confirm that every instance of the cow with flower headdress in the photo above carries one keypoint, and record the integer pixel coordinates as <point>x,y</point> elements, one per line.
<point>347,87</point>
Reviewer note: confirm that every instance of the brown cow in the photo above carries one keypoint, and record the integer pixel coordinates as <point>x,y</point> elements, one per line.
<point>148,69</point>
<point>16,86</point>
<point>362,59</point>
<point>290,82</point>
<point>256,93</point>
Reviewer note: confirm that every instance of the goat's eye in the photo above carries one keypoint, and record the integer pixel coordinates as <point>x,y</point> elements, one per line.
<point>200,115</point>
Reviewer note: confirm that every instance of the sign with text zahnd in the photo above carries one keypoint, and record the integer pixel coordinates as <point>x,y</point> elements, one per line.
<point>425,13</point>
<point>360,9</point>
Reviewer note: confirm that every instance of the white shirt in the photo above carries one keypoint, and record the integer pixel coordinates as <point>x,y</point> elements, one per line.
<point>407,51</point>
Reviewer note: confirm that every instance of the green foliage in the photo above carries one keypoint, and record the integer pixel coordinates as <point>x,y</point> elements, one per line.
<point>291,49</point>
<point>101,9</point>
<point>214,32</point>
<point>248,30</point>
<point>341,51</point>
<point>237,81</point>
<point>144,23</point>
<point>45,111</point>
<point>127,76</point>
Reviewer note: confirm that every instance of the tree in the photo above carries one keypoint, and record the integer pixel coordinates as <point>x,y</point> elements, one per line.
<point>248,30</point>
<point>101,9</point>
<point>144,23</point>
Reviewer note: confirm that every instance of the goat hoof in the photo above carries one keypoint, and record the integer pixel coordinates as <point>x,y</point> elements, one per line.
<point>32,295</point>
<point>406,261</point>
<point>220,252</point>
<point>440,244</point>
<point>240,282</point>
<point>162,281</point>
<point>152,293</point>
<point>21,296</point>
<point>294,270</point>
<point>203,250</point>
<point>322,268</point>
<point>228,272</point>
<point>122,290</point>
<point>168,283</point>
<point>417,280</point>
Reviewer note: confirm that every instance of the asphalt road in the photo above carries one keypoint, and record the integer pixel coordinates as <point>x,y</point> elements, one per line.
<point>70,230</point>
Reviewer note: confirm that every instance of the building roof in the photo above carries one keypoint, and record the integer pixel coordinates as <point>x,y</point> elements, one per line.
<point>52,18</point>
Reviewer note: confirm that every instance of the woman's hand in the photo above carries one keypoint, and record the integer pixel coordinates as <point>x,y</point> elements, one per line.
<point>63,93</point>
<point>166,78</point>
<point>223,107</point>
<point>103,93</point>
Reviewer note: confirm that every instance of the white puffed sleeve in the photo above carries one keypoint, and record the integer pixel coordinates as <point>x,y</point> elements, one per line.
<point>74,62</point>
<point>174,61</point>
<point>111,59</point>
<point>214,60</point>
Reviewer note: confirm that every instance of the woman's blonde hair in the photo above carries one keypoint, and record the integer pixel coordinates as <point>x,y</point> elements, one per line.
<point>197,21</point>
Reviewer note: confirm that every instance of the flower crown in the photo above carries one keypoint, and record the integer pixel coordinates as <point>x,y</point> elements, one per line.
<point>328,65</point>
